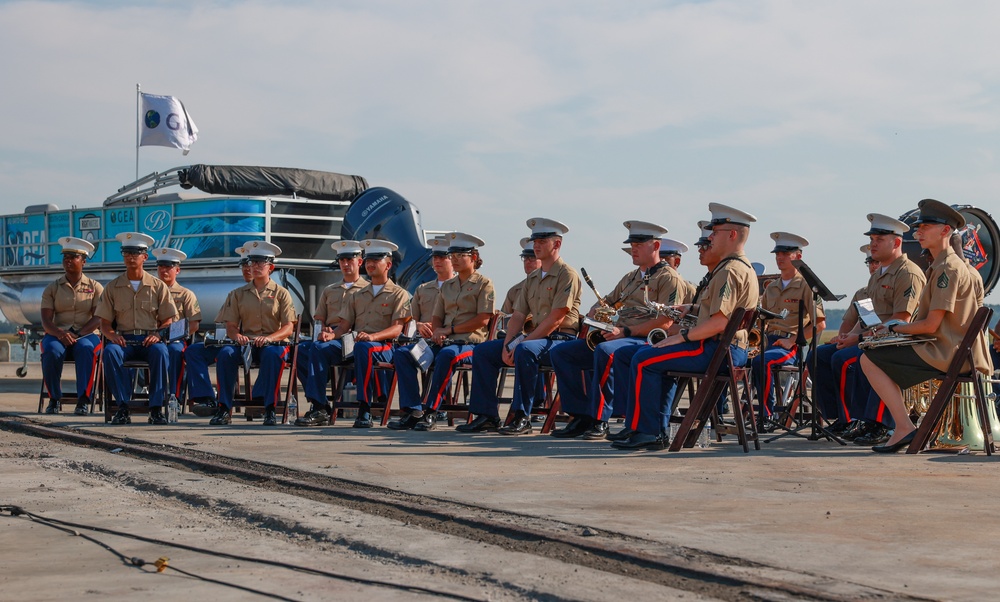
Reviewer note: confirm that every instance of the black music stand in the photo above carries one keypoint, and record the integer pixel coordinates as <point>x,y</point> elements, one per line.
<point>815,424</point>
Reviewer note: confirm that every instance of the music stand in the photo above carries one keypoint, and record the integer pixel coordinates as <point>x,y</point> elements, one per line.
<point>820,291</point>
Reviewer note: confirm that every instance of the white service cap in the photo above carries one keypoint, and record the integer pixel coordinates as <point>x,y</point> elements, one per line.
<point>135,241</point>
<point>261,249</point>
<point>376,248</point>
<point>460,242</point>
<point>542,227</point>
<point>347,249</point>
<point>724,214</point>
<point>76,246</point>
<point>168,255</point>
<point>883,224</point>
<point>642,231</point>
<point>786,241</point>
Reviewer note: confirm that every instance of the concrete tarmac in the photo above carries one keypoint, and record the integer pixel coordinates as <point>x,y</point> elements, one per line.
<point>919,525</point>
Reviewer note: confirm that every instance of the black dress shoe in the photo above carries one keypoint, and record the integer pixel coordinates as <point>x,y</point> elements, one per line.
<point>520,426</point>
<point>363,421</point>
<point>441,416</point>
<point>223,416</point>
<point>54,407</point>
<point>270,416</point>
<point>855,428</point>
<point>598,430</point>
<point>576,427</point>
<point>481,424</point>
<point>895,447</point>
<point>203,407</point>
<point>877,435</point>
<point>838,427</point>
<point>641,441</point>
<point>156,416</point>
<point>317,416</point>
<point>81,409</point>
<point>621,435</point>
<point>121,416</point>
<point>406,422</point>
<point>428,422</point>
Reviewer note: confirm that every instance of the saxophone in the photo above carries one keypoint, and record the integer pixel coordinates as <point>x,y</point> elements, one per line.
<point>604,314</point>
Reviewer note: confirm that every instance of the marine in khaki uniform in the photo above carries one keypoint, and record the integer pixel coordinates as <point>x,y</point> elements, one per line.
<point>671,251</point>
<point>70,325</point>
<point>832,400</point>
<point>894,290</point>
<point>946,305</point>
<point>426,295</point>
<point>784,293</point>
<point>653,279</point>
<point>198,356</point>
<point>260,315</point>
<point>168,266</point>
<point>551,296</point>
<point>132,309</point>
<point>733,284</point>
<point>317,356</point>
<point>530,264</point>
<point>460,317</point>
<point>376,314</point>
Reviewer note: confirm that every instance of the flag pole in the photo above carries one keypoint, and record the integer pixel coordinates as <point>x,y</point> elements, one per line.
<point>138,100</point>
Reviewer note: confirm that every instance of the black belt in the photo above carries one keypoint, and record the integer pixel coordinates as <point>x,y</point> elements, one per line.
<point>135,333</point>
<point>780,333</point>
<point>561,336</point>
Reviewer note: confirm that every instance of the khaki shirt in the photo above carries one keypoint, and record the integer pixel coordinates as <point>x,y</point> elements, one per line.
<point>367,312</point>
<point>559,288</point>
<point>424,299</point>
<point>512,295</point>
<point>777,299</point>
<point>665,286</point>
<point>72,306</point>
<point>897,290</point>
<point>733,284</point>
<point>458,302</point>
<point>220,317</point>
<point>259,313</point>
<point>186,303</point>
<point>950,288</point>
<point>144,309</point>
<point>692,288</point>
<point>331,302</point>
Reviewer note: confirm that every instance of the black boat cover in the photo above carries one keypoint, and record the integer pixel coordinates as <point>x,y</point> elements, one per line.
<point>264,181</point>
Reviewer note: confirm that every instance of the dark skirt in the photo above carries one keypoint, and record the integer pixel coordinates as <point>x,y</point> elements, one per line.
<point>902,364</point>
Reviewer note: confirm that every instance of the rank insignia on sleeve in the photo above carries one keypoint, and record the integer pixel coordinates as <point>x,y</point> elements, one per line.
<point>942,281</point>
<point>724,291</point>
<point>673,298</point>
<point>909,293</point>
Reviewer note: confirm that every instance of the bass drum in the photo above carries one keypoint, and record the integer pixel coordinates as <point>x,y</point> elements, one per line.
<point>980,238</point>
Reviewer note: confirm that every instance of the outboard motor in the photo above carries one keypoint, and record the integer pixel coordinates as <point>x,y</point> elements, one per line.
<point>381,213</point>
<point>980,238</point>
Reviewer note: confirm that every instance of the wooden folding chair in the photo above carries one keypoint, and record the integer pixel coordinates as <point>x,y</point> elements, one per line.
<point>458,400</point>
<point>139,403</point>
<point>951,380</point>
<point>720,372</point>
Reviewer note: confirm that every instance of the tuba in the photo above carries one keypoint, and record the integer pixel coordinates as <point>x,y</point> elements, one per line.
<point>754,337</point>
<point>656,335</point>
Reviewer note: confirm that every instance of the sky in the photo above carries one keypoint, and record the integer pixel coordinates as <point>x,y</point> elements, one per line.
<point>807,115</point>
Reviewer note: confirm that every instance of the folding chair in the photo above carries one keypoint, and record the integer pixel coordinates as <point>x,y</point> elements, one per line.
<point>720,372</point>
<point>342,374</point>
<point>951,380</point>
<point>550,408</point>
<point>95,394</point>
<point>139,402</point>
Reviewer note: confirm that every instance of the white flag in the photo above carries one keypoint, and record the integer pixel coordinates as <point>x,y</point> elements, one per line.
<point>163,121</point>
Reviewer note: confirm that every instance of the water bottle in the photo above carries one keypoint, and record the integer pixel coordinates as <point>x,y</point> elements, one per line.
<point>705,438</point>
<point>293,410</point>
<point>172,409</point>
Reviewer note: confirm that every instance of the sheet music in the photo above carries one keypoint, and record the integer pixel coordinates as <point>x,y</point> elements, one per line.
<point>866,313</point>
<point>317,329</point>
<point>598,325</point>
<point>347,345</point>
<point>410,330</point>
<point>422,353</point>
<point>178,329</point>
<point>220,332</point>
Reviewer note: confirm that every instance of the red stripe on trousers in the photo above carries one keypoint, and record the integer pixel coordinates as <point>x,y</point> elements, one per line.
<point>843,385</point>
<point>770,376</point>
<point>655,360</point>
<point>277,382</point>
<point>600,387</point>
<point>447,378</point>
